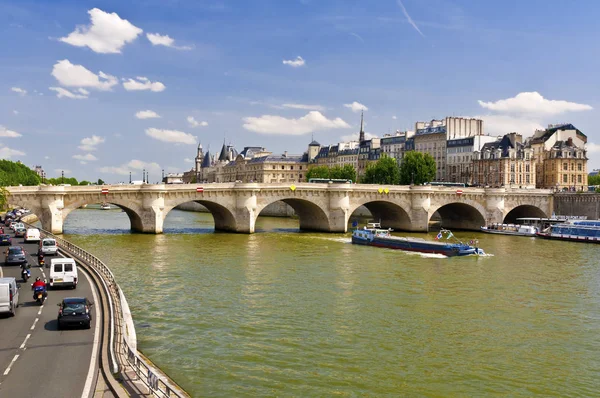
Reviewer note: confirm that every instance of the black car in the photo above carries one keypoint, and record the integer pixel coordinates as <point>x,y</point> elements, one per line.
<point>5,240</point>
<point>75,311</point>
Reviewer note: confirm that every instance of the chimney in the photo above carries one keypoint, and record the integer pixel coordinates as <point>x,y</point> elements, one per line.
<point>285,154</point>
<point>570,141</point>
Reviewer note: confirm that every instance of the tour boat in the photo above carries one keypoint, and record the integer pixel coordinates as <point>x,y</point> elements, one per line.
<point>105,206</point>
<point>510,229</point>
<point>587,231</point>
<point>374,235</point>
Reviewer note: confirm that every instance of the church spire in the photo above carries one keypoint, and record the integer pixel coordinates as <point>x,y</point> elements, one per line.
<point>361,136</point>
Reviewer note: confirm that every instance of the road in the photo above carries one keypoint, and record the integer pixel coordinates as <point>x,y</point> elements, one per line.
<point>37,359</point>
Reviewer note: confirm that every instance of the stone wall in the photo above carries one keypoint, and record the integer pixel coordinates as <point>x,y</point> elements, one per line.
<point>577,204</point>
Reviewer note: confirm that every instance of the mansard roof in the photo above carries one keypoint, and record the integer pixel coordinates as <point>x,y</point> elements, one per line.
<point>280,159</point>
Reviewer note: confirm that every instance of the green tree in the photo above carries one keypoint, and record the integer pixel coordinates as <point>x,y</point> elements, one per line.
<point>594,180</point>
<point>348,172</point>
<point>84,182</point>
<point>318,172</point>
<point>100,182</point>
<point>16,173</point>
<point>384,171</point>
<point>4,194</point>
<point>417,167</point>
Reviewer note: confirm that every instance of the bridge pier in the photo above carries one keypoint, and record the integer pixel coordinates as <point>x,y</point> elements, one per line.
<point>151,217</point>
<point>51,214</point>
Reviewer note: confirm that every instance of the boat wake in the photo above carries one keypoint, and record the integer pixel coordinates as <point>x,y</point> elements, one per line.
<point>424,255</point>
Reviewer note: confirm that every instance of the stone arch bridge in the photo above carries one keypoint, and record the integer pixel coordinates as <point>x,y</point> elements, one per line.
<point>320,207</point>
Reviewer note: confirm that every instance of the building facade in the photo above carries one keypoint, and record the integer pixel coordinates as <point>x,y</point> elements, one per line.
<point>460,155</point>
<point>505,163</point>
<point>561,158</point>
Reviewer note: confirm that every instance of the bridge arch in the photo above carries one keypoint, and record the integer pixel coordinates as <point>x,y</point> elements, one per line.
<point>132,210</point>
<point>510,217</point>
<point>392,214</point>
<point>223,217</point>
<point>467,215</point>
<point>311,215</point>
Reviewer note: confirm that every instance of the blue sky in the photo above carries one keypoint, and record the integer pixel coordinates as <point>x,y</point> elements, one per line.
<point>214,70</point>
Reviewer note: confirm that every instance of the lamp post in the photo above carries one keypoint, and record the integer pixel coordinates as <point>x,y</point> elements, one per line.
<point>143,175</point>
<point>130,177</point>
<point>163,175</point>
<point>62,176</point>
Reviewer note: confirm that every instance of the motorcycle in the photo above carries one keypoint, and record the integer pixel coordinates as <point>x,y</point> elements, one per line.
<point>41,262</point>
<point>39,294</point>
<point>26,274</point>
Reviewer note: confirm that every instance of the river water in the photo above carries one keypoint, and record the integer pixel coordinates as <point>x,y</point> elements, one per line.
<point>284,313</point>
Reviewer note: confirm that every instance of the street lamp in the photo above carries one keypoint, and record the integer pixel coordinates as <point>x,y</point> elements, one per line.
<point>143,175</point>
<point>62,176</point>
<point>163,174</point>
<point>130,177</point>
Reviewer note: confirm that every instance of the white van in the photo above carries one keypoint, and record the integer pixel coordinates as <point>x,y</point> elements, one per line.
<point>9,295</point>
<point>48,246</point>
<point>63,272</point>
<point>32,235</point>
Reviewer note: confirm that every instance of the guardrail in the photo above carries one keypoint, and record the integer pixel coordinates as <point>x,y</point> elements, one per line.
<point>121,353</point>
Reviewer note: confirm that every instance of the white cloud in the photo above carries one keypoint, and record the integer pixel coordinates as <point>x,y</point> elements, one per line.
<point>143,83</point>
<point>188,160</point>
<point>410,20</point>
<point>46,157</point>
<point>106,34</point>
<point>63,92</point>
<point>87,157</point>
<point>4,132</point>
<point>356,136</point>
<point>533,103</point>
<point>592,148</point>
<point>356,107</point>
<point>70,75</point>
<point>174,136</point>
<point>194,123</point>
<point>19,91</point>
<point>394,117</point>
<point>90,143</point>
<point>160,40</point>
<point>16,112</point>
<point>304,106</point>
<point>504,124</point>
<point>147,114</point>
<point>312,121</point>
<point>83,162</point>
<point>294,63</point>
<point>7,153</point>
<point>133,166</point>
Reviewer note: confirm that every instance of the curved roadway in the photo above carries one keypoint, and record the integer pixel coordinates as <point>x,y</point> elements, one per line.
<point>37,359</point>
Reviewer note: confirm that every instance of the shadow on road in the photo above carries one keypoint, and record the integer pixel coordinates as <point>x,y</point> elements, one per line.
<point>52,325</point>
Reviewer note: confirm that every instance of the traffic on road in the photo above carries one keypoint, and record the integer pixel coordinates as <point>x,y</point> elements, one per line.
<point>48,336</point>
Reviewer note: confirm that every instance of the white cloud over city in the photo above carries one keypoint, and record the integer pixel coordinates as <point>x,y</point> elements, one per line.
<point>6,133</point>
<point>88,157</point>
<point>141,83</point>
<point>295,63</point>
<point>91,143</point>
<point>107,33</point>
<point>61,92</point>
<point>70,75</point>
<point>164,40</point>
<point>136,167</point>
<point>356,107</point>
<point>172,136</point>
<point>533,103</point>
<point>147,114</point>
<point>8,153</point>
<point>304,106</point>
<point>194,123</point>
<point>19,90</point>
<point>312,121</point>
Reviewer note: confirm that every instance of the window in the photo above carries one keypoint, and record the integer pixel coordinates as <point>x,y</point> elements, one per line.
<point>527,168</point>
<point>565,178</point>
<point>273,167</point>
<point>291,167</point>
<point>579,178</point>
<point>58,267</point>
<point>527,178</point>
<point>579,167</point>
<point>565,166</point>
<point>68,267</point>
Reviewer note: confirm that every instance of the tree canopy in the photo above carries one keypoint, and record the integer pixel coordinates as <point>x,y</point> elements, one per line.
<point>384,171</point>
<point>347,172</point>
<point>15,173</point>
<point>594,180</point>
<point>417,168</point>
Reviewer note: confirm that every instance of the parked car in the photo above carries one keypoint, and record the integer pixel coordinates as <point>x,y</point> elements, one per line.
<point>74,311</point>
<point>9,295</point>
<point>15,255</point>
<point>5,240</point>
<point>20,232</point>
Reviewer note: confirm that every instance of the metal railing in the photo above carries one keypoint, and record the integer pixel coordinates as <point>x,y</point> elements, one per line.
<point>121,354</point>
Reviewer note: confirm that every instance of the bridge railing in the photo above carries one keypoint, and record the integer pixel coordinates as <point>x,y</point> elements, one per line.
<point>123,355</point>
